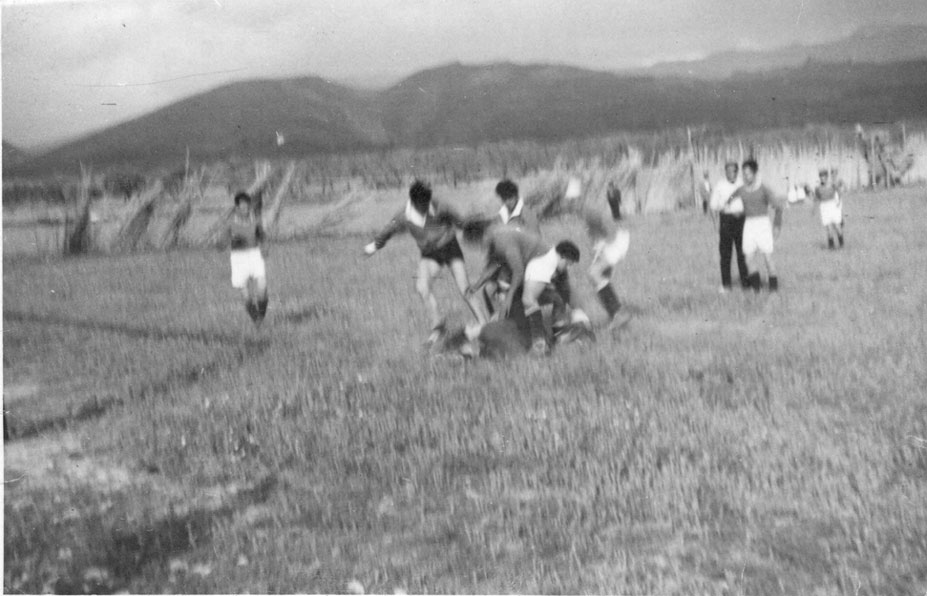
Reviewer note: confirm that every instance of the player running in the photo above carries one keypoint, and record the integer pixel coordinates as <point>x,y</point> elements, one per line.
<point>610,245</point>
<point>828,200</point>
<point>245,235</point>
<point>759,231</point>
<point>433,226</point>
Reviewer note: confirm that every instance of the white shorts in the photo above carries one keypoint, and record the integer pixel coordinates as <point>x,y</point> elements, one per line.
<point>541,269</point>
<point>246,264</point>
<point>831,213</point>
<point>612,251</point>
<point>758,235</point>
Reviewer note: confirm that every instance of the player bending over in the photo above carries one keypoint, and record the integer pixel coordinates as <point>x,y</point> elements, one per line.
<point>533,266</point>
<point>433,226</point>
<point>245,235</point>
<point>758,229</point>
<point>828,200</point>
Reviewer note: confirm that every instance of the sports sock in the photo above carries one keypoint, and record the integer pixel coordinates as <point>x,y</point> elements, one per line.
<point>252,309</point>
<point>536,327</point>
<point>830,242</point>
<point>262,307</point>
<point>773,283</point>
<point>840,239</point>
<point>755,281</point>
<point>609,300</point>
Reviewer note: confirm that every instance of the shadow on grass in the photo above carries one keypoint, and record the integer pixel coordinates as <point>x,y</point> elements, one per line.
<point>201,335</point>
<point>126,552</point>
<point>247,348</point>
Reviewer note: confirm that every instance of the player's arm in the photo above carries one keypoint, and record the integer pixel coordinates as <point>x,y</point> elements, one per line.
<point>492,267</point>
<point>395,226</point>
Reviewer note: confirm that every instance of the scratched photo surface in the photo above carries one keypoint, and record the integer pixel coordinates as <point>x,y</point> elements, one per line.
<point>408,296</point>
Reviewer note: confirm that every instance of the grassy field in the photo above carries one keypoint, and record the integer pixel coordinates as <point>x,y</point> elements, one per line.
<point>720,445</point>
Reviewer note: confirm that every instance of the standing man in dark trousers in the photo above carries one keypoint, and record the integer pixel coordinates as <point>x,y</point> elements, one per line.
<point>730,226</point>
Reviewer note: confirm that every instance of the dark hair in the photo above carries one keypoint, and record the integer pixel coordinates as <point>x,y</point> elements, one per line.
<point>507,190</point>
<point>568,251</point>
<point>242,196</point>
<point>420,194</point>
<point>751,163</point>
<point>732,164</point>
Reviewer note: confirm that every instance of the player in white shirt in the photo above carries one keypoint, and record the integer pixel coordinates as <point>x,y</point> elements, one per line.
<point>730,227</point>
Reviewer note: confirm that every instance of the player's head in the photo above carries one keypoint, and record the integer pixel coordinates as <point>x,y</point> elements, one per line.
<point>243,202</point>
<point>420,195</point>
<point>823,174</point>
<point>750,168</point>
<point>568,253</point>
<point>730,171</point>
<point>507,191</point>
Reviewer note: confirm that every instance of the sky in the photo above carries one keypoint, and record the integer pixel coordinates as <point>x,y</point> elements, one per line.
<point>69,68</point>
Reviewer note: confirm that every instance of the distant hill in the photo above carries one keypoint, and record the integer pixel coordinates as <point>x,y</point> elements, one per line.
<point>13,155</point>
<point>459,104</point>
<point>879,45</point>
<point>241,119</point>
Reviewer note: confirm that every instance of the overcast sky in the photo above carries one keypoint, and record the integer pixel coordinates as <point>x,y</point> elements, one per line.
<point>72,67</point>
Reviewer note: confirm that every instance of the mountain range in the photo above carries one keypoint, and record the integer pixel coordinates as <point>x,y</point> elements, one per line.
<point>460,104</point>
<point>879,44</point>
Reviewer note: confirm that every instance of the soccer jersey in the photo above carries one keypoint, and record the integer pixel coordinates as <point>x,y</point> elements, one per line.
<point>513,249</point>
<point>520,218</point>
<point>757,199</point>
<point>825,193</point>
<point>245,232</point>
<point>431,231</point>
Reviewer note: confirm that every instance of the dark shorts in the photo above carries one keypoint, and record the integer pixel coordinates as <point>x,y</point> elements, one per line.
<point>443,255</point>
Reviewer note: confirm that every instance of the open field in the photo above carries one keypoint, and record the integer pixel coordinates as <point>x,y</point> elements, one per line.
<point>720,445</point>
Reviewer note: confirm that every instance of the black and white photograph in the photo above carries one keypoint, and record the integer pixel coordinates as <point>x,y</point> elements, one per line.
<point>464,297</point>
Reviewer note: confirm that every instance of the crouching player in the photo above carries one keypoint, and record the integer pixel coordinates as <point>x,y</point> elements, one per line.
<point>758,230</point>
<point>533,267</point>
<point>433,226</point>
<point>245,235</point>
<point>828,200</point>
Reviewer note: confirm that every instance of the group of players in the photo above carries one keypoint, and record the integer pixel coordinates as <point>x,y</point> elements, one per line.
<point>523,273</point>
<point>744,224</point>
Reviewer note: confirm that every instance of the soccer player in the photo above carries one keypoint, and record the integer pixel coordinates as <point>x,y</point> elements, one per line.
<point>533,266</point>
<point>730,226</point>
<point>515,215</point>
<point>433,226</point>
<point>245,235</point>
<point>828,200</point>
<point>610,244</point>
<point>759,231</point>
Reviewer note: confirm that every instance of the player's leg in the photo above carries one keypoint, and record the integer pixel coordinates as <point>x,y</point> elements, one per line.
<point>725,243</point>
<point>531,302</point>
<point>428,270</point>
<point>738,233</point>
<point>475,302</point>
<point>750,249</point>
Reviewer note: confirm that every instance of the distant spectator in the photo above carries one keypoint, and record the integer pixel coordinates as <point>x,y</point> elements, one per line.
<point>730,226</point>
<point>705,191</point>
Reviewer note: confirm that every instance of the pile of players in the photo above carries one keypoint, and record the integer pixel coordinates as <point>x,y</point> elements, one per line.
<point>522,275</point>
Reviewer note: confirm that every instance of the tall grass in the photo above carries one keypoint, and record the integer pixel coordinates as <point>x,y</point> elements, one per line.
<point>721,445</point>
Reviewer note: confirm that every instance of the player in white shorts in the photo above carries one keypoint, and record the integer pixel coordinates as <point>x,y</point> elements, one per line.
<point>610,245</point>
<point>828,200</point>
<point>759,231</point>
<point>245,235</point>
